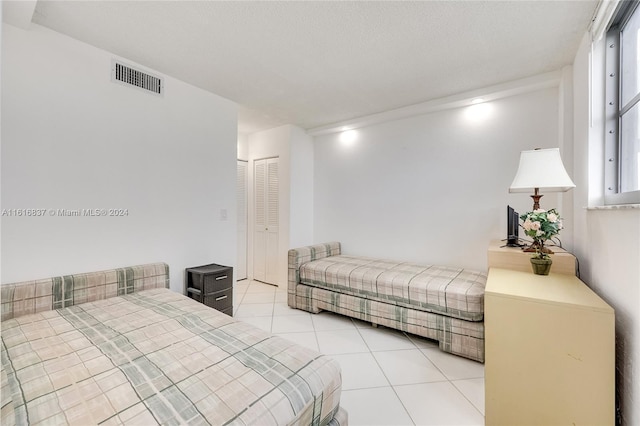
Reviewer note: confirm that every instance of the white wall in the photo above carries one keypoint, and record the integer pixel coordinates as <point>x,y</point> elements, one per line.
<point>301,204</point>
<point>431,188</point>
<point>565,142</point>
<point>71,139</point>
<point>607,241</point>
<point>243,147</point>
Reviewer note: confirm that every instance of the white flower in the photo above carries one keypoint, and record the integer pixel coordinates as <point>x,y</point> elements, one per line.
<point>535,225</point>
<point>560,225</point>
<point>539,211</point>
<point>527,225</point>
<point>539,233</point>
<point>552,217</point>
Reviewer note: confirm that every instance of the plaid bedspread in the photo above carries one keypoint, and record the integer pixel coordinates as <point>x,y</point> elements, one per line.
<point>454,292</point>
<point>157,357</point>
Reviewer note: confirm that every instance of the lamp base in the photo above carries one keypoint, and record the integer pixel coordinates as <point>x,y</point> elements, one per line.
<point>536,199</point>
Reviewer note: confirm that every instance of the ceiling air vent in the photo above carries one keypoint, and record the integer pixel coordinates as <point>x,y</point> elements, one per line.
<point>124,74</point>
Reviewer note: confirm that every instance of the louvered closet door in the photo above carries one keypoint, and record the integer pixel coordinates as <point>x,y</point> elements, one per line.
<point>266,226</point>
<point>241,268</point>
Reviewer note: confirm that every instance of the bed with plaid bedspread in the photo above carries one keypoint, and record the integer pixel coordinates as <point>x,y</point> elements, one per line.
<point>151,356</point>
<point>441,303</point>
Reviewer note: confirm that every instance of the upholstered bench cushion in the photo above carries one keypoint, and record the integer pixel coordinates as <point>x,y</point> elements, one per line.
<point>454,292</point>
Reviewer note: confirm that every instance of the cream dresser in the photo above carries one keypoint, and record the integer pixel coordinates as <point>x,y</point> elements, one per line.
<point>549,345</point>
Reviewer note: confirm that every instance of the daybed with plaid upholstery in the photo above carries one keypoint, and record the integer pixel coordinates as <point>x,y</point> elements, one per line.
<point>441,303</point>
<point>118,347</point>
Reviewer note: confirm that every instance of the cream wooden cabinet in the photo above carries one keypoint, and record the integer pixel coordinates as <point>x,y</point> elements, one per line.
<point>499,256</point>
<point>549,347</point>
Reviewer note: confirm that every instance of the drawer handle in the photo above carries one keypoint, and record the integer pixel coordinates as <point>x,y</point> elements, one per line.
<point>221,298</point>
<point>221,278</point>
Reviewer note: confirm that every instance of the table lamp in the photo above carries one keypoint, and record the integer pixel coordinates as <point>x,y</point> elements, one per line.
<point>541,170</point>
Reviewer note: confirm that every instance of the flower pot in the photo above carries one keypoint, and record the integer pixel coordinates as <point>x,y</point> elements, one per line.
<point>541,266</point>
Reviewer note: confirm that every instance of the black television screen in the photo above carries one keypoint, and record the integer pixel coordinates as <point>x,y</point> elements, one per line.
<point>513,225</point>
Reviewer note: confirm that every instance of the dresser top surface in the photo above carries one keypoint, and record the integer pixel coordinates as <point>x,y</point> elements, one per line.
<point>561,289</point>
<point>209,269</point>
<point>500,246</point>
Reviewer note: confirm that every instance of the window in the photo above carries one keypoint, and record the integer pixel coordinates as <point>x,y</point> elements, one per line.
<point>622,139</point>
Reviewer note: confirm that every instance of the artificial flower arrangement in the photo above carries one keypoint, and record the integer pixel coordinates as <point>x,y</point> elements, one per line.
<point>541,225</point>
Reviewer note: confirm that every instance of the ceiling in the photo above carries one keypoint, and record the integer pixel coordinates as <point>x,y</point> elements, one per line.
<point>313,63</point>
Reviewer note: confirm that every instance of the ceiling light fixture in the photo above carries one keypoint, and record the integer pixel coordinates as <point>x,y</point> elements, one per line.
<point>348,137</point>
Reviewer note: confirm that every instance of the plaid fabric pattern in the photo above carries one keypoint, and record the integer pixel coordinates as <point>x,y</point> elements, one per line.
<point>448,291</point>
<point>157,357</point>
<point>441,303</point>
<point>303,255</point>
<point>30,297</point>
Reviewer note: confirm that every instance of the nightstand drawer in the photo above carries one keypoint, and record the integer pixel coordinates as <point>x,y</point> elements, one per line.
<point>220,300</point>
<point>210,283</point>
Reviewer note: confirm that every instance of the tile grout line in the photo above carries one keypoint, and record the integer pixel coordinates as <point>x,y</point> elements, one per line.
<point>447,377</point>
<point>471,402</point>
<point>451,382</point>
<point>385,375</point>
<point>315,334</point>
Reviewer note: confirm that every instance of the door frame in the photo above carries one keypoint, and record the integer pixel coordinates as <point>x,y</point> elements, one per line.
<point>246,222</point>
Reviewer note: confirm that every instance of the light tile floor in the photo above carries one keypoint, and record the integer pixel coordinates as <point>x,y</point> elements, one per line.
<point>388,377</point>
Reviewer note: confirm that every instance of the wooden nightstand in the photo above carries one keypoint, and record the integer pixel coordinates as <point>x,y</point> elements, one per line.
<point>499,256</point>
<point>212,285</point>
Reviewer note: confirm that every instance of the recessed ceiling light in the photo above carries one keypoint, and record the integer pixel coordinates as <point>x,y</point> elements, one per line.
<point>348,137</point>
<point>478,112</point>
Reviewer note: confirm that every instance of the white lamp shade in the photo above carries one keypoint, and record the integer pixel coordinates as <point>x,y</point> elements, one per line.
<point>543,169</point>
